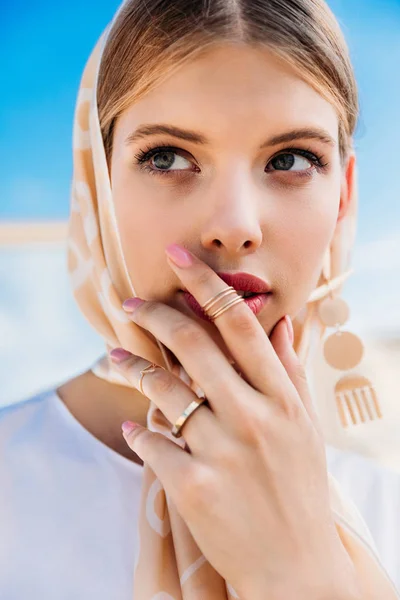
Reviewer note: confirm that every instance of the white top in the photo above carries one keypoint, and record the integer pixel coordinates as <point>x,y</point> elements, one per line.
<point>69,506</point>
<point>375,490</point>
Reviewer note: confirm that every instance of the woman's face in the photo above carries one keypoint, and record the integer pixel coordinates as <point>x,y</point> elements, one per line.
<point>242,200</point>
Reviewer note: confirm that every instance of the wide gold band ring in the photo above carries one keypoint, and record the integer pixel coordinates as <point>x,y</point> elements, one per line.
<point>176,430</point>
<point>194,405</point>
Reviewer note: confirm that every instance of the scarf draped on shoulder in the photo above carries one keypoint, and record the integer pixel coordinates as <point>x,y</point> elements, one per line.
<point>169,564</point>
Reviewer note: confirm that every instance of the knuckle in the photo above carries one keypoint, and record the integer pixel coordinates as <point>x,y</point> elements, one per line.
<point>128,367</point>
<point>293,411</point>
<point>205,277</point>
<point>163,382</point>
<point>197,484</point>
<point>290,408</point>
<point>139,440</point>
<point>243,321</point>
<point>254,424</point>
<point>188,332</point>
<point>148,308</point>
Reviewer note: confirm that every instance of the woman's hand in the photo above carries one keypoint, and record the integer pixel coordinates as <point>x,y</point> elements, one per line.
<point>253,487</point>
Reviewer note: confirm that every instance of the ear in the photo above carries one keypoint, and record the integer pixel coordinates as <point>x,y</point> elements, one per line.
<point>347,189</point>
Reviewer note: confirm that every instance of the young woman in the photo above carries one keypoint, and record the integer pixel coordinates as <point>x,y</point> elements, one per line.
<point>212,159</point>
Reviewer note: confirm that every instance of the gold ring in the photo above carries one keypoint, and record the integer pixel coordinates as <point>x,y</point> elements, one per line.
<point>219,311</point>
<point>194,405</point>
<point>149,369</point>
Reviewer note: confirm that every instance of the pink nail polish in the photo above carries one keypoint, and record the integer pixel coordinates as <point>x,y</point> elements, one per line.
<point>128,426</point>
<point>179,255</point>
<point>117,355</point>
<point>131,304</point>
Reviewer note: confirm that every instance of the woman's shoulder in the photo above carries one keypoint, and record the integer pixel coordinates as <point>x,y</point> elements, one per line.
<point>33,398</point>
<point>24,414</point>
<point>25,405</point>
<point>23,408</point>
<point>42,430</point>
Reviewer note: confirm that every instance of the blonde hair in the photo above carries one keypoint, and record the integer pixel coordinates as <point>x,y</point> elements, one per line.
<point>149,40</point>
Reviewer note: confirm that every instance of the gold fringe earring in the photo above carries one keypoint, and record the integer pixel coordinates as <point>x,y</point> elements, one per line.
<point>354,394</point>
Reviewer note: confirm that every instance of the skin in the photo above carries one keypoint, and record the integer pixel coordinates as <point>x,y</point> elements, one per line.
<point>257,449</point>
<point>232,213</point>
<point>235,211</point>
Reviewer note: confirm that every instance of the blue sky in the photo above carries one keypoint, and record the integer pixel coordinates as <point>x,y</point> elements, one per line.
<point>47,44</point>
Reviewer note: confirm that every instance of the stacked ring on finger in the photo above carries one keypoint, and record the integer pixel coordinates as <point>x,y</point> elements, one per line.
<point>219,311</point>
<point>194,405</point>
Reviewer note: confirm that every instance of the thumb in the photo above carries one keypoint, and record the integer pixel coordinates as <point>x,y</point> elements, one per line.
<point>282,342</point>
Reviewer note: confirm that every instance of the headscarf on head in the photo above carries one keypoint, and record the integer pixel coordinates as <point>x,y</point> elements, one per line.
<point>169,564</point>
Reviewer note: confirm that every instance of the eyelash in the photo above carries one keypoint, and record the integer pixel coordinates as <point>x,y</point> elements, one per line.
<point>147,153</point>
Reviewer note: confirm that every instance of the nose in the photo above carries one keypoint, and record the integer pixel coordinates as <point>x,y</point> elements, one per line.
<point>233,226</point>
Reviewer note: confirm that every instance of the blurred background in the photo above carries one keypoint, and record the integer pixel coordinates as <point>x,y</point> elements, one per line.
<point>43,337</point>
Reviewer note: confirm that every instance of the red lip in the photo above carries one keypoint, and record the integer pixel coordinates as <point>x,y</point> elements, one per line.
<point>239,281</point>
<point>255,303</point>
<point>246,282</point>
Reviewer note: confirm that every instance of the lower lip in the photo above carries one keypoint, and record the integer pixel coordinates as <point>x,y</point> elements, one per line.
<point>255,303</point>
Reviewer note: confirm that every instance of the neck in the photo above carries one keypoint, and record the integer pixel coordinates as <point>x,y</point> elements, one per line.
<point>101,407</point>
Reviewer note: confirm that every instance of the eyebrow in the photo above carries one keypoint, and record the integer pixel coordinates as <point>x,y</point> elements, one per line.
<point>306,133</point>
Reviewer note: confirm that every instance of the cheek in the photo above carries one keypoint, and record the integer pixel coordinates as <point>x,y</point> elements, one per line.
<point>305,237</point>
<point>144,235</point>
<point>310,237</point>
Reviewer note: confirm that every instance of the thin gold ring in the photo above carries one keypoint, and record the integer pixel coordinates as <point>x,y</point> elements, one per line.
<point>219,311</point>
<point>149,369</point>
<point>194,405</point>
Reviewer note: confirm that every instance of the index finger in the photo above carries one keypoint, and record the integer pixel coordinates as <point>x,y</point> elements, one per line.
<point>243,334</point>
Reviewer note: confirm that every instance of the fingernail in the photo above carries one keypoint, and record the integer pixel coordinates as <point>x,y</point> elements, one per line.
<point>289,326</point>
<point>131,304</point>
<point>179,256</point>
<point>119,354</point>
<point>128,426</point>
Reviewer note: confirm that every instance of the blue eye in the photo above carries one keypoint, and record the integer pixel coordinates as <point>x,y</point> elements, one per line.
<point>164,159</point>
<point>170,161</point>
<point>297,158</point>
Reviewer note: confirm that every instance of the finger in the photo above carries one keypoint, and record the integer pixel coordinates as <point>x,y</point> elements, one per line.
<point>243,334</point>
<point>172,396</point>
<point>202,359</point>
<point>170,463</point>
<point>282,343</point>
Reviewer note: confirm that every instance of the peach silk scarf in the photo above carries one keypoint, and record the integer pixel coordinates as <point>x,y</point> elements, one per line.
<point>169,564</point>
